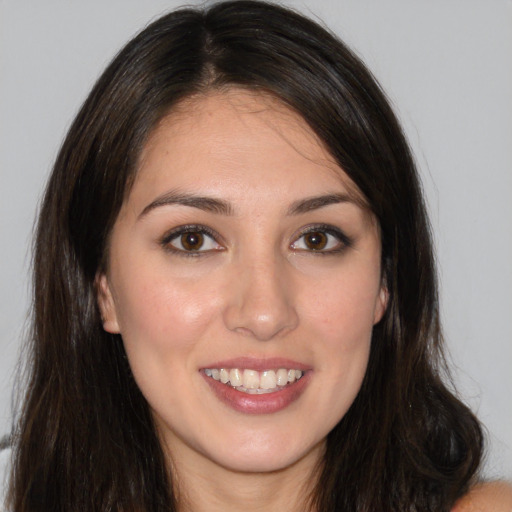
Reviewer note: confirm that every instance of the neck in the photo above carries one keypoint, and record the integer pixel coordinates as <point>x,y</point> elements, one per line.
<point>202,486</point>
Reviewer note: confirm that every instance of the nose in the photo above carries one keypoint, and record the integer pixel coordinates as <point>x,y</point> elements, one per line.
<point>261,300</point>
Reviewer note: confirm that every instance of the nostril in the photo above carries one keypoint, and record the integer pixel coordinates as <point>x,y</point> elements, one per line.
<point>262,302</point>
<point>263,327</point>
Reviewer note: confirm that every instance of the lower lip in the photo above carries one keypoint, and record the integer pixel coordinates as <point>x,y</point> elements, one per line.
<point>266,403</point>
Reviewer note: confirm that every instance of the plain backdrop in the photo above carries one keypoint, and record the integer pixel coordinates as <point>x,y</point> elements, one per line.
<point>446,66</point>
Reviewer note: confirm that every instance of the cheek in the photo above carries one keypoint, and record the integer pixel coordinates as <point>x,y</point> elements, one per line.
<point>344,309</point>
<point>163,314</point>
<point>162,322</point>
<point>341,323</point>
<point>341,315</point>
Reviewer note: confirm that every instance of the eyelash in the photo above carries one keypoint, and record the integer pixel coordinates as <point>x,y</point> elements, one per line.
<point>183,230</point>
<point>326,229</point>
<point>344,241</point>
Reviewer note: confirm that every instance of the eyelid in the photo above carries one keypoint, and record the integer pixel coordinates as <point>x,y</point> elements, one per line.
<point>165,241</point>
<point>169,236</point>
<point>345,241</point>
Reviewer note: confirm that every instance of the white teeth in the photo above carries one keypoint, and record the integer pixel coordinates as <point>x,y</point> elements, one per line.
<point>252,381</point>
<point>235,378</point>
<point>224,376</point>
<point>268,380</point>
<point>282,377</point>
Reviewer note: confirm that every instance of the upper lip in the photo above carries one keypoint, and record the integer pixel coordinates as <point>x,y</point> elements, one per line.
<point>258,364</point>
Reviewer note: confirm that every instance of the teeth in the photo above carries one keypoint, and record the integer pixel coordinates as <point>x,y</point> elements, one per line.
<point>235,378</point>
<point>268,380</point>
<point>252,381</point>
<point>282,377</point>
<point>224,376</point>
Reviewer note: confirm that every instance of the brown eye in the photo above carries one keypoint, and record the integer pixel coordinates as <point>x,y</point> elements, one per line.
<point>322,239</point>
<point>192,241</point>
<point>315,241</point>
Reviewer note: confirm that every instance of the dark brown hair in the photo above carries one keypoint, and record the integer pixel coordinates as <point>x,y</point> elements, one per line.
<point>85,439</point>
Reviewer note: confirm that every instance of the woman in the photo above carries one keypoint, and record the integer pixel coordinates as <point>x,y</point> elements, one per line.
<point>235,300</point>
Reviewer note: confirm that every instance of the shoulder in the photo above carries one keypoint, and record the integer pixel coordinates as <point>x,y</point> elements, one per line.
<point>487,497</point>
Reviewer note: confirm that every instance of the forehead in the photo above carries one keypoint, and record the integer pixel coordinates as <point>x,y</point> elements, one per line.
<point>239,138</point>
<point>240,107</point>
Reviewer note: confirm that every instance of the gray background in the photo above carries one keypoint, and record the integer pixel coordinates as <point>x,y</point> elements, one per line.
<point>447,67</point>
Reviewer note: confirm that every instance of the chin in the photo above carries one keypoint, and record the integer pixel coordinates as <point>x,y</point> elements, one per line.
<point>257,457</point>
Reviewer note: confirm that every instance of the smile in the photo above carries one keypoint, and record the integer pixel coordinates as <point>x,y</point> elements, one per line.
<point>254,382</point>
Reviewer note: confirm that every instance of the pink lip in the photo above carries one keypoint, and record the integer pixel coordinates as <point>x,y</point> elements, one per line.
<point>267,403</point>
<point>259,364</point>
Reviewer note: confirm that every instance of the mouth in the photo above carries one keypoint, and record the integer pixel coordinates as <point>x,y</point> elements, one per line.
<point>257,386</point>
<point>254,382</point>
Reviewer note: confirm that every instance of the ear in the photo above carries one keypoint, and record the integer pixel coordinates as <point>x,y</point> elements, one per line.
<point>106,304</point>
<point>381,304</point>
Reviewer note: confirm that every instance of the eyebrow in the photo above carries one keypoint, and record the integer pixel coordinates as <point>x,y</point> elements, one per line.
<point>221,207</point>
<point>314,203</point>
<point>207,204</point>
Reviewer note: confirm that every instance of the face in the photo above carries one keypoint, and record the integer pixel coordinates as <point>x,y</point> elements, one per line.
<point>244,278</point>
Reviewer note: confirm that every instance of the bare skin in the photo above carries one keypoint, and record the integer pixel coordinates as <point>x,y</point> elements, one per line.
<point>228,491</point>
<point>179,314</point>
<point>286,276</point>
<point>487,497</point>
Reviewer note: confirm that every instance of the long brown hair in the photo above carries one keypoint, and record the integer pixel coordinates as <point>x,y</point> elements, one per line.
<point>85,438</point>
